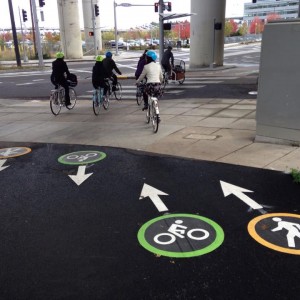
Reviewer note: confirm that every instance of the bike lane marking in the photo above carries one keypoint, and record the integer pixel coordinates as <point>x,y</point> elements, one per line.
<point>277,231</point>
<point>13,152</point>
<point>180,235</point>
<point>82,159</point>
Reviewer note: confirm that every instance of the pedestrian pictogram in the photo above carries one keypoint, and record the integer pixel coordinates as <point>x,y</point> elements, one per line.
<point>181,235</point>
<point>13,152</point>
<point>81,157</point>
<point>278,231</point>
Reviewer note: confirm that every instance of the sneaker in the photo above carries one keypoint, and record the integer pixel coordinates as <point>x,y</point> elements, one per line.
<point>145,107</point>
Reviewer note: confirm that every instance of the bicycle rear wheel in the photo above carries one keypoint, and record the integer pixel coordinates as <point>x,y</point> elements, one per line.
<point>55,103</point>
<point>105,102</point>
<point>73,99</point>
<point>154,118</point>
<point>96,104</point>
<point>148,113</point>
<point>118,92</point>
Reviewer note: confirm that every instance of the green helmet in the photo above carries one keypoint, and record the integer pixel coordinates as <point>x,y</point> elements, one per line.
<point>60,55</point>
<point>99,58</point>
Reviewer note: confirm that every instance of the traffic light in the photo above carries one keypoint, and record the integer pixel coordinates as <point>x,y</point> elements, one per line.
<point>91,33</point>
<point>96,10</point>
<point>169,6</point>
<point>42,3</point>
<point>253,1</point>
<point>24,14</point>
<point>167,26</point>
<point>156,7</point>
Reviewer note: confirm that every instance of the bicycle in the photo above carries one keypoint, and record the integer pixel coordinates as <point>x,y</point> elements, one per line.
<point>140,88</point>
<point>99,99</point>
<point>152,113</point>
<point>117,93</point>
<point>57,99</point>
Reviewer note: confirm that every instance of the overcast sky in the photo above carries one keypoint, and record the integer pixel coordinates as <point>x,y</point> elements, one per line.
<point>126,16</point>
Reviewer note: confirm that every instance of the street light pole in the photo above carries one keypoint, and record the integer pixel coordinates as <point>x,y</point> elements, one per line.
<point>94,20</point>
<point>116,31</point>
<point>161,29</point>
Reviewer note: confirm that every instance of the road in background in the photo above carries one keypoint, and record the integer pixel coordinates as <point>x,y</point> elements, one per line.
<point>36,84</point>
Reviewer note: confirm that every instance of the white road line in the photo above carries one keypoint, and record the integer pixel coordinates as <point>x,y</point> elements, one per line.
<point>27,83</point>
<point>38,79</point>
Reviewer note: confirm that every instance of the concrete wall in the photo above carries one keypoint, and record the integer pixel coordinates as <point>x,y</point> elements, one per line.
<point>207,44</point>
<point>278,101</point>
<point>68,15</point>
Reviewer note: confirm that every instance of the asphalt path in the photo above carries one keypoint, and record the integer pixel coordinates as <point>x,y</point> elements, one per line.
<point>86,222</point>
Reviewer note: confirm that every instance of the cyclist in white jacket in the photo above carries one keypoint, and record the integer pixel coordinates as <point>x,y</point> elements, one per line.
<point>152,71</point>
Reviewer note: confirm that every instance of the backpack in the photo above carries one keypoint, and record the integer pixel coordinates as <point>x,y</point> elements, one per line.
<point>72,79</point>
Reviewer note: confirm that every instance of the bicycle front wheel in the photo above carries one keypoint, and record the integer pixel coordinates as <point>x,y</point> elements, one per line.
<point>139,96</point>
<point>73,98</point>
<point>55,103</point>
<point>96,104</point>
<point>154,118</point>
<point>118,92</point>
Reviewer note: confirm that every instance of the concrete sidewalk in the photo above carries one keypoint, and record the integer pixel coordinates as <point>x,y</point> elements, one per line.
<point>214,129</point>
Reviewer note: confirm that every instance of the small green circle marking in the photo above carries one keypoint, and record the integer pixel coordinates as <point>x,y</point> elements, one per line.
<point>81,157</point>
<point>197,241</point>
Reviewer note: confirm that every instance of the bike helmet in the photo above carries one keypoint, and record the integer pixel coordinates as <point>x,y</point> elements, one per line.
<point>99,58</point>
<point>60,55</point>
<point>152,54</point>
<point>108,54</point>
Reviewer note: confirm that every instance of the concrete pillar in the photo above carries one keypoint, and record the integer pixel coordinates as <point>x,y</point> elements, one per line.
<point>88,18</point>
<point>69,24</point>
<point>207,44</point>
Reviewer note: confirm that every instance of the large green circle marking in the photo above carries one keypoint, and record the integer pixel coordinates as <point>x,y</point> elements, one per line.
<point>81,157</point>
<point>206,234</point>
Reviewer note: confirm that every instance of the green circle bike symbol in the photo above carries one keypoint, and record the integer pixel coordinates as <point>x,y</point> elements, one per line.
<point>180,235</point>
<point>81,157</point>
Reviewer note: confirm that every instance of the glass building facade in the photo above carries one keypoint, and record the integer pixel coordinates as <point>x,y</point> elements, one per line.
<point>286,9</point>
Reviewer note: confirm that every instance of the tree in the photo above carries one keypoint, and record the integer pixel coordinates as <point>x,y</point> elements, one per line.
<point>273,16</point>
<point>256,26</point>
<point>243,29</point>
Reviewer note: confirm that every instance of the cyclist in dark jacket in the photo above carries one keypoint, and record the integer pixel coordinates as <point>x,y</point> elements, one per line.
<point>98,75</point>
<point>140,65</point>
<point>110,65</point>
<point>60,73</point>
<point>165,61</point>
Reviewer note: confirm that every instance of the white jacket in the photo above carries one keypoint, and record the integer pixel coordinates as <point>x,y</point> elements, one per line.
<point>153,72</point>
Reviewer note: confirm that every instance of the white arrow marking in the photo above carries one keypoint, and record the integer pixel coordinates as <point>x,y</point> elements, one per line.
<point>2,162</point>
<point>239,192</point>
<point>152,193</point>
<point>81,176</point>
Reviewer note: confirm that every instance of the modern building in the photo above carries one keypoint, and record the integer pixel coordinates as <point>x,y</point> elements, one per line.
<point>286,9</point>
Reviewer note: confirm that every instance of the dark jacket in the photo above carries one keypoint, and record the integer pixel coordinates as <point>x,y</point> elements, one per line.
<point>110,65</point>
<point>140,66</point>
<point>166,58</point>
<point>59,70</point>
<point>98,74</point>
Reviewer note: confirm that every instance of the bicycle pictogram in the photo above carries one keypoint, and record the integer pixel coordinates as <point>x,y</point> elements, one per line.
<point>178,230</point>
<point>81,158</point>
<point>181,235</point>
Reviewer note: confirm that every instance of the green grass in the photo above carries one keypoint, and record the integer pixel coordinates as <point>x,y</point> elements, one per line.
<point>295,173</point>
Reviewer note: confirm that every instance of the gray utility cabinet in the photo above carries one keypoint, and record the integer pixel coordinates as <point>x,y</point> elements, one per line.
<point>278,100</point>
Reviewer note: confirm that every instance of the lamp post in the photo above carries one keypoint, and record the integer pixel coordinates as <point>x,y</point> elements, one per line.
<point>116,31</point>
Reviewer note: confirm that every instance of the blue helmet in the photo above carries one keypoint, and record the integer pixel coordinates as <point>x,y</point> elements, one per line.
<point>108,54</point>
<point>152,54</point>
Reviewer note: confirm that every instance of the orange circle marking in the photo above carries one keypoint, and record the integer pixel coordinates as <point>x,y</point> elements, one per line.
<point>12,152</point>
<point>252,231</point>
